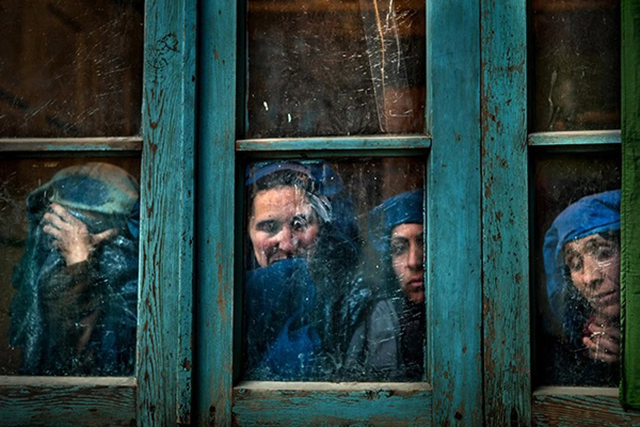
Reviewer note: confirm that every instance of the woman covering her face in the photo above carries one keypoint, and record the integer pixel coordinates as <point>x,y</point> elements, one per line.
<point>74,310</point>
<point>303,245</point>
<point>389,344</point>
<point>582,265</point>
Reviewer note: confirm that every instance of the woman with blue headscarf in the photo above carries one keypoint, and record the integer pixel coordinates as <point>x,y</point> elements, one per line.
<point>389,344</point>
<point>74,310</point>
<point>582,266</point>
<point>300,293</point>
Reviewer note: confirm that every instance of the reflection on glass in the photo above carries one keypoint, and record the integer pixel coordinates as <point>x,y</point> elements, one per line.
<point>577,65</point>
<point>323,300</point>
<point>579,292</point>
<point>335,67</point>
<point>70,68</point>
<point>70,263</point>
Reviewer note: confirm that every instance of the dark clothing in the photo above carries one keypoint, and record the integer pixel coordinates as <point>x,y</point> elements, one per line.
<point>78,319</point>
<point>388,345</point>
<point>294,330</point>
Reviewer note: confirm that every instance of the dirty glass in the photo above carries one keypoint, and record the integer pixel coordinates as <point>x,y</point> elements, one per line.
<point>334,277</point>
<point>335,67</point>
<point>577,260</point>
<point>69,265</point>
<point>576,61</point>
<point>70,68</point>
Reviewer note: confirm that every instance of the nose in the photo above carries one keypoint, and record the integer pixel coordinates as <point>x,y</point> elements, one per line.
<point>592,273</point>
<point>415,261</point>
<point>286,241</point>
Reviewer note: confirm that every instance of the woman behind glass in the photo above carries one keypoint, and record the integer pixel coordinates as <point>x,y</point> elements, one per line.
<point>582,265</point>
<point>389,344</point>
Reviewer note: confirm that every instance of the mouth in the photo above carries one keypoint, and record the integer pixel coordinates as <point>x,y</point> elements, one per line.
<point>416,284</point>
<point>607,298</point>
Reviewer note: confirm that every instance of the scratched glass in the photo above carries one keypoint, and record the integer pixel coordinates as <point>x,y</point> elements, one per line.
<point>576,62</point>
<point>334,270</point>
<point>578,268</point>
<point>70,68</point>
<point>335,67</point>
<point>68,265</point>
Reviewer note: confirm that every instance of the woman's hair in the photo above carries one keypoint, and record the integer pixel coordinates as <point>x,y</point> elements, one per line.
<point>296,179</point>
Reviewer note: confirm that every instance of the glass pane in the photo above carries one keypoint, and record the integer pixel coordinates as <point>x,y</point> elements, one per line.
<point>576,56</point>
<point>334,283</point>
<point>578,268</point>
<point>335,67</point>
<point>70,68</point>
<point>69,265</point>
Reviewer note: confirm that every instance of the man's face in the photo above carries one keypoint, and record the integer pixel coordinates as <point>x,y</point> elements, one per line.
<point>282,225</point>
<point>594,264</point>
<point>407,257</point>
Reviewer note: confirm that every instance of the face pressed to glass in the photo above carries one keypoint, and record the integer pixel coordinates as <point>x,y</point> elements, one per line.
<point>594,266</point>
<point>407,249</point>
<point>282,225</point>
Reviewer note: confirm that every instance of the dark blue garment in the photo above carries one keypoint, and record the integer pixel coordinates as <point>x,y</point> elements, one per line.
<point>281,340</point>
<point>593,214</point>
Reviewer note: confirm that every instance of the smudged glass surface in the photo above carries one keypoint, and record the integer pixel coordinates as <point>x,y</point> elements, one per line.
<point>577,261</point>
<point>64,311</point>
<point>70,68</point>
<point>334,270</point>
<point>335,67</point>
<point>576,61</point>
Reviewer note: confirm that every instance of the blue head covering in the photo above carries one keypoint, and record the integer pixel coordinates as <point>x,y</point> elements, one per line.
<point>592,214</point>
<point>405,208</point>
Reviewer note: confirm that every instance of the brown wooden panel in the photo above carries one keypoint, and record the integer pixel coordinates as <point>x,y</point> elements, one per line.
<point>575,406</point>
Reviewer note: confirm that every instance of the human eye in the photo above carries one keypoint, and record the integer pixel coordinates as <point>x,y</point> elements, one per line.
<point>574,263</point>
<point>398,247</point>
<point>270,227</point>
<point>604,252</point>
<point>299,223</point>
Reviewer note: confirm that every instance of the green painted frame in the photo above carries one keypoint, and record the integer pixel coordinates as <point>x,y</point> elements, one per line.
<point>160,393</point>
<point>454,394</point>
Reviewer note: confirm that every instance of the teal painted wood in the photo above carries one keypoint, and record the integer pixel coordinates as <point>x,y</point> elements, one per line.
<point>505,230</point>
<point>630,237</point>
<point>215,225</point>
<point>71,144</point>
<point>453,213</point>
<point>574,138</point>
<point>318,405</point>
<point>349,143</point>
<point>54,403</point>
<point>582,409</point>
<point>167,211</point>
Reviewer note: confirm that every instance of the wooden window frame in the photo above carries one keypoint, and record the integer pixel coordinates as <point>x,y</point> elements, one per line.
<point>160,391</point>
<point>454,393</point>
<point>509,395</point>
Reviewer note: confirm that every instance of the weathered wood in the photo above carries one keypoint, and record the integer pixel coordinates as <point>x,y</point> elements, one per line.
<point>71,144</point>
<point>505,231</point>
<point>216,212</point>
<point>564,408</point>
<point>40,401</point>
<point>338,144</point>
<point>167,211</point>
<point>332,404</point>
<point>575,138</point>
<point>454,291</point>
<point>630,237</point>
